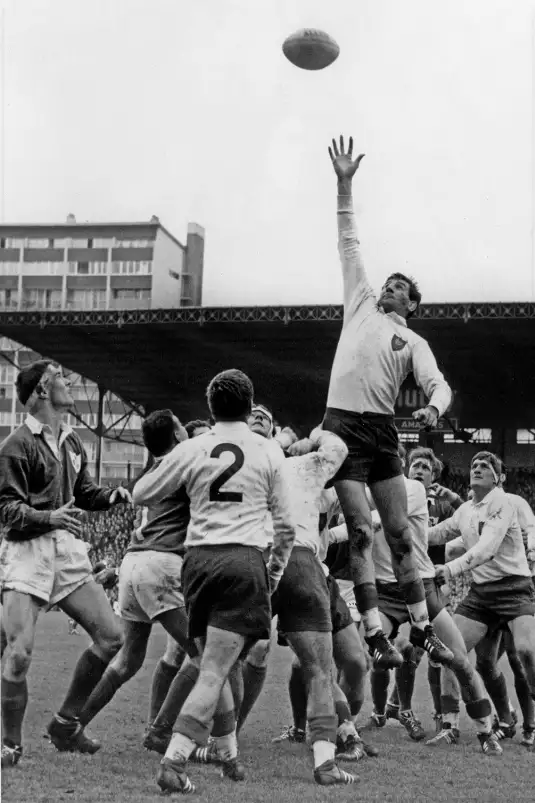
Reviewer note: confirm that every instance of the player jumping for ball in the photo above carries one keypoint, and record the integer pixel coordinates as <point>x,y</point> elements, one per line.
<point>375,353</point>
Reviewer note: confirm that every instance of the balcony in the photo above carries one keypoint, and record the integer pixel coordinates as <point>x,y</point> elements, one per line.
<point>130,303</point>
<point>8,306</point>
<point>41,305</point>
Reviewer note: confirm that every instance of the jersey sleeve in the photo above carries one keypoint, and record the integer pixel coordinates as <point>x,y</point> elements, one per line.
<point>445,531</point>
<point>282,515</point>
<point>499,519</point>
<point>429,378</point>
<point>163,479</point>
<point>356,285</point>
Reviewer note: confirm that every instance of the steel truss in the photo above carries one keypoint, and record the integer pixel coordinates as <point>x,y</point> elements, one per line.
<point>203,315</point>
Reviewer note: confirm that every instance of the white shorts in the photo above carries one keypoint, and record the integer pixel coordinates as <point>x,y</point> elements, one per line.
<point>49,567</point>
<point>149,584</point>
<point>348,595</point>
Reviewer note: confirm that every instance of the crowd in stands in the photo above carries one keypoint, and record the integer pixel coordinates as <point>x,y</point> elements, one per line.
<point>109,532</point>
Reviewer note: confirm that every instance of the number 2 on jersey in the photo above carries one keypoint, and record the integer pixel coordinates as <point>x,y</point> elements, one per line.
<point>217,495</point>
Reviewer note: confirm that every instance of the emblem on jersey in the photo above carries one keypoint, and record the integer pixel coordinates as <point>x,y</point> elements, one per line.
<point>76,460</point>
<point>398,343</point>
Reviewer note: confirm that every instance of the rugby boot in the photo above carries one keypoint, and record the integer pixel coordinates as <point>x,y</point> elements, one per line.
<point>376,721</point>
<point>502,730</point>
<point>349,749</point>
<point>392,711</point>
<point>11,755</point>
<point>383,652</point>
<point>446,736</point>
<point>69,737</point>
<point>528,738</point>
<point>233,768</point>
<point>330,774</point>
<point>490,744</point>
<point>428,640</point>
<point>157,738</point>
<point>207,754</point>
<point>172,777</point>
<point>412,725</point>
<point>291,734</point>
<point>437,718</point>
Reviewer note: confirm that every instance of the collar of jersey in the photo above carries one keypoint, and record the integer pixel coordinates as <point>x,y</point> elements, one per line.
<point>226,425</point>
<point>488,498</point>
<point>36,427</point>
<point>394,316</point>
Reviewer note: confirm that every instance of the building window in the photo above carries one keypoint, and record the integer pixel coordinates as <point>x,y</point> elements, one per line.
<point>86,299</point>
<point>526,436</point>
<point>9,268</point>
<point>7,374</point>
<point>41,299</point>
<point>5,419</point>
<point>9,299</point>
<point>13,242</point>
<point>38,268</point>
<point>133,243</point>
<point>90,242</point>
<point>132,267</point>
<point>36,242</point>
<point>50,242</point>
<point>77,243</point>
<point>478,436</point>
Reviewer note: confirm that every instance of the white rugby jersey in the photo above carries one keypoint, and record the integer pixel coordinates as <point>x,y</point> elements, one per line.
<point>487,539</point>
<point>307,476</point>
<point>233,478</point>
<point>418,518</point>
<point>376,351</point>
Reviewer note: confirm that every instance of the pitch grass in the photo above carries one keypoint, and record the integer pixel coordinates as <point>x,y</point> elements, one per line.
<point>124,771</point>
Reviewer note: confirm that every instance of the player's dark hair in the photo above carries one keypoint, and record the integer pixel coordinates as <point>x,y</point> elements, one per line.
<point>425,453</point>
<point>158,430</point>
<point>230,395</point>
<point>414,290</point>
<point>492,458</point>
<point>29,377</point>
<point>197,423</point>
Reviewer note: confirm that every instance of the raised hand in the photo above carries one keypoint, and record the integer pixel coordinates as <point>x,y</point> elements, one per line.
<point>344,165</point>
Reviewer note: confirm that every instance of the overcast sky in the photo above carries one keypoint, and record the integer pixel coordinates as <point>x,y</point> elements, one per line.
<point>121,109</point>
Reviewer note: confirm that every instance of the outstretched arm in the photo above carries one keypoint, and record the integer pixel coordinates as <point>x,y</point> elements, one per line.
<point>356,286</point>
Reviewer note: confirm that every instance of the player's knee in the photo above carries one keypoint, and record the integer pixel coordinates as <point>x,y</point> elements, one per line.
<point>486,667</point>
<point>19,660</point>
<point>109,643</point>
<point>360,534</point>
<point>258,654</point>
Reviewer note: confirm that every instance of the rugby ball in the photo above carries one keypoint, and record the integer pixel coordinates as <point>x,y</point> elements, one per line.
<point>310,49</point>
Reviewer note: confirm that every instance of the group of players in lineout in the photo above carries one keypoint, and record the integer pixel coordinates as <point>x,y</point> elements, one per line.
<point>237,525</point>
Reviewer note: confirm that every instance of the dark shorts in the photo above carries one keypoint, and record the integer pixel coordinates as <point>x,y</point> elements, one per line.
<point>301,600</point>
<point>372,442</point>
<point>226,587</point>
<point>393,606</point>
<point>340,613</point>
<point>495,604</point>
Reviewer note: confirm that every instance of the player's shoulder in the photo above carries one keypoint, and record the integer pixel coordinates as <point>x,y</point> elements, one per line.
<point>519,502</point>
<point>18,443</point>
<point>416,489</point>
<point>497,500</point>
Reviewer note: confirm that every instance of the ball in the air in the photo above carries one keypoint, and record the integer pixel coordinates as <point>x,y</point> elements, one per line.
<point>310,49</point>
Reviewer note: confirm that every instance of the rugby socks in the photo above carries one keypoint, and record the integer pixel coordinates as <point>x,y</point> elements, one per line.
<point>253,683</point>
<point>110,682</point>
<point>298,697</point>
<point>87,673</point>
<point>367,604</point>
<point>371,621</point>
<point>162,678</point>
<point>405,676</point>
<point>450,711</point>
<point>496,687</point>
<point>434,679</point>
<point>177,695</point>
<point>343,712</point>
<point>14,702</point>
<point>379,680</point>
<point>323,751</point>
<point>479,712</point>
<point>418,614</point>
<point>235,679</point>
<point>227,745</point>
<point>180,748</point>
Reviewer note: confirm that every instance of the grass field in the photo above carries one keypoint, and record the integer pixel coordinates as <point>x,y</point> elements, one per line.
<point>124,771</point>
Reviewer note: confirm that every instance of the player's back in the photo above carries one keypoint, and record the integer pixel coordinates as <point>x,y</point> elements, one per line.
<point>229,476</point>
